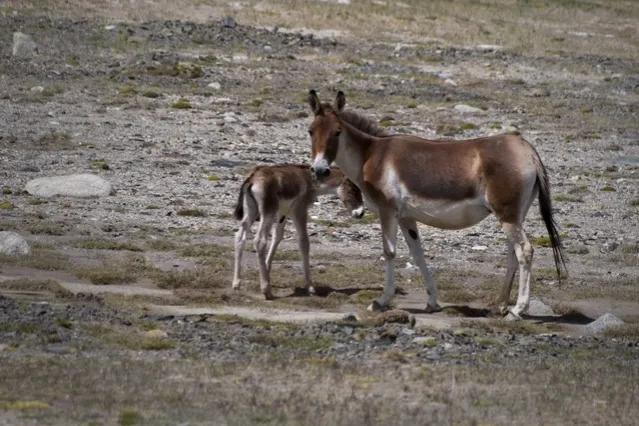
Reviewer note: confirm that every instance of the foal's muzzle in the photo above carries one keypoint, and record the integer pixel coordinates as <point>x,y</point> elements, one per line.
<point>321,172</point>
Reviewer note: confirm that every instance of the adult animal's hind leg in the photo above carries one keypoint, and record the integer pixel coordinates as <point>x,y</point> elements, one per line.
<point>524,253</point>
<point>504,296</point>
<point>409,229</point>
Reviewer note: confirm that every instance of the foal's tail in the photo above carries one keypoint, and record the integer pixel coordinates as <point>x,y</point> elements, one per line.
<point>239,207</point>
<point>545,208</point>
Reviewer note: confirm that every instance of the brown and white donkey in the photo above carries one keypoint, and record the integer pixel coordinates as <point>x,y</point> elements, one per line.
<point>445,184</point>
<point>270,194</point>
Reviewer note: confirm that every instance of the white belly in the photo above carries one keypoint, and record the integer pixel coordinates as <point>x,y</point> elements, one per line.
<point>445,214</point>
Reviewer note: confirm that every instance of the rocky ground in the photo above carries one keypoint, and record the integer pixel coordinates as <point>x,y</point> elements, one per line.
<point>122,313</point>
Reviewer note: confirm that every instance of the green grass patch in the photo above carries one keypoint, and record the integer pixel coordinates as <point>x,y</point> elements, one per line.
<point>150,93</point>
<point>182,103</point>
<point>100,164</point>
<point>6,205</point>
<point>129,418</point>
<point>100,244</point>
<point>24,405</point>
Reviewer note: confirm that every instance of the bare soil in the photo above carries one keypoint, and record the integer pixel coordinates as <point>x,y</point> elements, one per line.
<point>124,313</point>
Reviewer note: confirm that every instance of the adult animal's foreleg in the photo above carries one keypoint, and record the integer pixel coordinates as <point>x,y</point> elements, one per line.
<point>409,230</point>
<point>300,220</point>
<point>389,240</point>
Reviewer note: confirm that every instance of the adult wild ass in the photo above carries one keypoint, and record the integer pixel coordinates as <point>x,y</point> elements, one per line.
<point>272,193</point>
<point>446,184</point>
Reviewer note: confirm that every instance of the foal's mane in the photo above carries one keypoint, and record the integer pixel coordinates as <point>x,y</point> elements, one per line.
<point>359,121</point>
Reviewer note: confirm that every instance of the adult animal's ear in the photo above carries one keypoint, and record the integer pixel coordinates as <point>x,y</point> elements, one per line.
<point>340,101</point>
<point>314,102</point>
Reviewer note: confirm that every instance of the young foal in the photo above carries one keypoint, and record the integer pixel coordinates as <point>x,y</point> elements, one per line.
<point>446,184</point>
<point>270,194</point>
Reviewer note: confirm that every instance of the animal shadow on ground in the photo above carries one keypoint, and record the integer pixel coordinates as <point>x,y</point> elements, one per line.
<point>571,317</point>
<point>325,291</point>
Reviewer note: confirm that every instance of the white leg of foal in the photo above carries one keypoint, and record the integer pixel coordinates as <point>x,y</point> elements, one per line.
<point>240,240</point>
<point>300,220</point>
<point>409,229</point>
<point>389,239</point>
<point>276,236</point>
<point>524,253</point>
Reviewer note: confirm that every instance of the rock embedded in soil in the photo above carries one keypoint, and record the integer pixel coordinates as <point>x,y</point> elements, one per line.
<point>79,185</point>
<point>24,46</point>
<point>603,323</point>
<point>12,244</point>
<point>467,109</point>
<point>538,308</point>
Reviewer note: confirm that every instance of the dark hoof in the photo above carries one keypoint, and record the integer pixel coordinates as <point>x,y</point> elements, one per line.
<point>268,295</point>
<point>301,291</point>
<point>376,307</point>
<point>432,309</point>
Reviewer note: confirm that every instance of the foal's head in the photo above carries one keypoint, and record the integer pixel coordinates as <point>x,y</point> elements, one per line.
<point>348,193</point>
<point>325,130</point>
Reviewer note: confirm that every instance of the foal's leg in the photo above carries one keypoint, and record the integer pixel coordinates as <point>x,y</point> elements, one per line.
<point>524,253</point>
<point>300,219</point>
<point>504,296</point>
<point>276,237</point>
<point>240,240</point>
<point>260,246</point>
<point>409,229</point>
<point>389,239</point>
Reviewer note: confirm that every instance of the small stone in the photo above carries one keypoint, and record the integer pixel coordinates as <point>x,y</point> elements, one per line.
<point>12,244</point>
<point>479,248</point>
<point>488,47</point>
<point>214,85</point>
<point>24,46</point>
<point>37,89</point>
<point>467,109</point>
<point>603,323</point>
<point>80,185</point>
<point>109,27</point>
<point>229,22</point>
<point>350,318</point>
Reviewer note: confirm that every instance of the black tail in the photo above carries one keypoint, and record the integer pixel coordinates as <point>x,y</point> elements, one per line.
<point>545,208</point>
<point>239,207</point>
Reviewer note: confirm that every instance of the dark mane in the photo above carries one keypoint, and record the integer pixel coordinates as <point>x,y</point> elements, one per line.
<point>359,121</point>
<point>362,123</point>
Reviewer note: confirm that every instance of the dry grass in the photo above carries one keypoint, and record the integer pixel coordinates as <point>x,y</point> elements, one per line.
<point>48,260</point>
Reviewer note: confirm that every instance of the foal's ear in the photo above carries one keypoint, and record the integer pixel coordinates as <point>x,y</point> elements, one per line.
<point>314,102</point>
<point>340,101</point>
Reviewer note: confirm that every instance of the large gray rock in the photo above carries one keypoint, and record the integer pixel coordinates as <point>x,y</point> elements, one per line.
<point>82,185</point>
<point>12,244</point>
<point>603,323</point>
<point>24,46</point>
<point>537,308</point>
<point>467,109</point>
